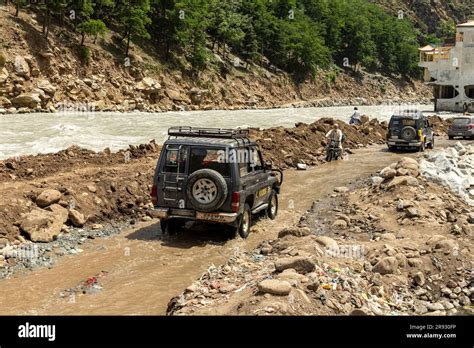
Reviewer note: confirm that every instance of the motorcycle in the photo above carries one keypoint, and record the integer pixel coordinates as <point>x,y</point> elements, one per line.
<point>333,152</point>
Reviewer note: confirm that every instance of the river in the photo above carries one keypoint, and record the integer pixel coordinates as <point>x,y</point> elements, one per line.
<point>27,134</point>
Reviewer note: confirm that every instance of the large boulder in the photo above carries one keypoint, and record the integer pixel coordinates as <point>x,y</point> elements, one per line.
<point>274,287</point>
<point>4,102</point>
<point>149,86</point>
<point>408,165</point>
<point>76,218</point>
<point>294,231</point>
<point>299,264</point>
<point>327,242</point>
<point>41,225</point>
<point>47,87</point>
<point>30,100</point>
<point>388,173</point>
<point>60,212</point>
<point>3,59</point>
<point>3,75</point>
<point>387,265</point>
<point>21,67</point>
<point>403,181</point>
<point>48,197</point>
<point>177,96</point>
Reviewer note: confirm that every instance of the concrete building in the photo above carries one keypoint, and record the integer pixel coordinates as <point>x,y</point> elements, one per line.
<point>450,69</point>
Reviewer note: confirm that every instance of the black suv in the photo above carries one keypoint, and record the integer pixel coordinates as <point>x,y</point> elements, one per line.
<point>213,175</point>
<point>410,129</point>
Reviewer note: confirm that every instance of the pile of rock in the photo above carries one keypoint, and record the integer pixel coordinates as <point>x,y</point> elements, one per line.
<point>305,144</point>
<point>403,173</point>
<point>45,223</point>
<point>452,167</point>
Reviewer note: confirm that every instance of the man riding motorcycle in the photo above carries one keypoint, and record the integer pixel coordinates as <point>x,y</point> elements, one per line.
<point>337,136</point>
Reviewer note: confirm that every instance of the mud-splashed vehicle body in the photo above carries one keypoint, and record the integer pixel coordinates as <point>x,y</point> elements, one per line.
<point>213,175</point>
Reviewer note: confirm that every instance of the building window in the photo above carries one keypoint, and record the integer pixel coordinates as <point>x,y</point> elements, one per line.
<point>446,92</point>
<point>469,91</point>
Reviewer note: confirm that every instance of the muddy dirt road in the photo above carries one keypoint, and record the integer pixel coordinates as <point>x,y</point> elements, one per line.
<point>145,269</point>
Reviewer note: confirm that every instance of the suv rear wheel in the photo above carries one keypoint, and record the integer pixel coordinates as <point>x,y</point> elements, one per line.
<point>272,209</point>
<point>171,226</point>
<point>245,222</point>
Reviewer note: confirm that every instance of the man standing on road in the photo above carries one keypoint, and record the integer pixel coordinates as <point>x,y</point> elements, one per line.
<point>336,134</point>
<point>355,118</point>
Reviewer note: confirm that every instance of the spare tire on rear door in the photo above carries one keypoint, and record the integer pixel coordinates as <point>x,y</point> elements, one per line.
<point>206,190</point>
<point>408,133</point>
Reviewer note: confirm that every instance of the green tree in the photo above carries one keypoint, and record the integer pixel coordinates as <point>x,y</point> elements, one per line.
<point>92,27</point>
<point>18,5</point>
<point>134,18</point>
<point>191,33</point>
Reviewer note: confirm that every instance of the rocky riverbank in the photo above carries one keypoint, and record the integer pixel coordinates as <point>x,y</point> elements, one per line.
<point>394,244</point>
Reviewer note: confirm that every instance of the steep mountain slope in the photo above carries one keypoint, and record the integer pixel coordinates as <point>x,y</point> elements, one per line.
<point>39,74</point>
<point>430,14</point>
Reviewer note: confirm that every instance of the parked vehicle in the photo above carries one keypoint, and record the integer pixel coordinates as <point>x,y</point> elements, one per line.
<point>410,129</point>
<point>213,175</point>
<point>462,127</point>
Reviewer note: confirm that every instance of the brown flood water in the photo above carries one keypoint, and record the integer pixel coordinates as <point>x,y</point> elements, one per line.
<point>145,269</point>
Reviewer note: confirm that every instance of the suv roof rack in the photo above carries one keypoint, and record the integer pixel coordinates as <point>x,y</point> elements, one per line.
<point>410,113</point>
<point>225,133</point>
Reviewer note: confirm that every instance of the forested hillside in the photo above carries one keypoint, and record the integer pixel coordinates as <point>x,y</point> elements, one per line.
<point>296,36</point>
<point>216,53</point>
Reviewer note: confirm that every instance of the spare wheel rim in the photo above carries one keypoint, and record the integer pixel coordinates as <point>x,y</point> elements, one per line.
<point>204,191</point>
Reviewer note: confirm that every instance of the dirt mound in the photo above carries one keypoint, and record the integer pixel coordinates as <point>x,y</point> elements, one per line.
<point>393,244</point>
<point>91,187</point>
<point>306,143</point>
<point>440,125</point>
<point>31,167</point>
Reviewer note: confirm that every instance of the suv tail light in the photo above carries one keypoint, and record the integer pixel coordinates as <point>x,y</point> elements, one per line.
<point>154,195</point>
<point>471,126</point>
<point>235,202</point>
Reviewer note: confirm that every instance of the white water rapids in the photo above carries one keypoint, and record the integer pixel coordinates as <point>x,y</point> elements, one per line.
<point>25,134</point>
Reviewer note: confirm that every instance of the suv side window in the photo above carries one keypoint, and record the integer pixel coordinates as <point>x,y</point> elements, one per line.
<point>171,160</point>
<point>256,161</point>
<point>244,169</point>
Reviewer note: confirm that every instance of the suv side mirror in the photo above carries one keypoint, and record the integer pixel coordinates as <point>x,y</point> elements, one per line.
<point>268,164</point>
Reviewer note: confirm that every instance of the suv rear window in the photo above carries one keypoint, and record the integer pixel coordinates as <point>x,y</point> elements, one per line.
<point>461,121</point>
<point>172,165</point>
<point>396,122</point>
<point>214,159</point>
